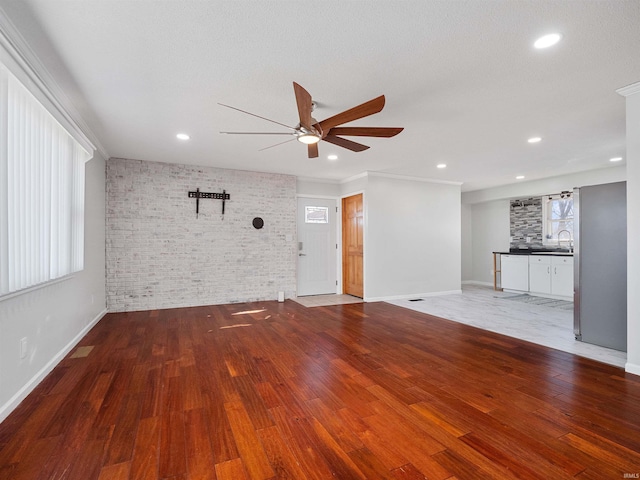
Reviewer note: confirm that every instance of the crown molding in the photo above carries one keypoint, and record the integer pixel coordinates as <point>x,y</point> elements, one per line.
<point>629,89</point>
<point>382,175</point>
<point>412,178</point>
<point>18,50</point>
<point>354,177</point>
<point>319,180</point>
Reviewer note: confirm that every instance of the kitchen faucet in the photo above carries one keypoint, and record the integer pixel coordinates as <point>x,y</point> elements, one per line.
<point>570,239</point>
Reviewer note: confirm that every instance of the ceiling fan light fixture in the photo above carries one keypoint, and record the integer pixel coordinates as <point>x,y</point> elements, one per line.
<point>308,138</point>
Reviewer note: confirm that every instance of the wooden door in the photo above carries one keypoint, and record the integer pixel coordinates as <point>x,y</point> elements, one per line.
<point>352,242</point>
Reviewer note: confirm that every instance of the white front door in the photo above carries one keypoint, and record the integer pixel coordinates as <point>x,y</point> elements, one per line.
<point>316,246</point>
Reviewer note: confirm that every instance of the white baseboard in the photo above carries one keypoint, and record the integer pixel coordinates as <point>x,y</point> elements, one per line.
<point>477,282</point>
<point>21,394</point>
<point>632,368</point>
<point>413,295</point>
<point>552,297</point>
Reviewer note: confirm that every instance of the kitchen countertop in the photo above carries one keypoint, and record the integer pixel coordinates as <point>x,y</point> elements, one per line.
<point>562,253</point>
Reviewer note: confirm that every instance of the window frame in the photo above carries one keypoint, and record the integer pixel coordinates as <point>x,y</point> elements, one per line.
<point>308,209</point>
<point>548,239</point>
<point>33,255</point>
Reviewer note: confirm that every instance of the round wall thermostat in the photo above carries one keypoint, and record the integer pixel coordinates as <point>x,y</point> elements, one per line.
<point>258,223</point>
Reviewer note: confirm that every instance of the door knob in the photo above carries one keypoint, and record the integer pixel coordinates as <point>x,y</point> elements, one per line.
<point>302,254</point>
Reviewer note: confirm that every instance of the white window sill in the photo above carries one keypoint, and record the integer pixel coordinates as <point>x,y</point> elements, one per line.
<point>36,287</point>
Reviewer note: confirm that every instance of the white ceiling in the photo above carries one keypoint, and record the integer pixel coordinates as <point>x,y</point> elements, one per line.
<point>462,77</point>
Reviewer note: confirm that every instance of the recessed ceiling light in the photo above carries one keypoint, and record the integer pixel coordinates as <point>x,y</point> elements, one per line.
<point>182,136</point>
<point>519,177</point>
<point>332,157</point>
<point>615,159</point>
<point>547,40</point>
<point>534,139</point>
<point>442,165</point>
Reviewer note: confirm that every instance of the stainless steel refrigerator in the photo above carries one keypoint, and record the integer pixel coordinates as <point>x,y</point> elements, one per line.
<point>600,265</point>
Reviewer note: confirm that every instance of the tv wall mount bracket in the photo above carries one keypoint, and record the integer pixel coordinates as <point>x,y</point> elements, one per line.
<point>224,196</point>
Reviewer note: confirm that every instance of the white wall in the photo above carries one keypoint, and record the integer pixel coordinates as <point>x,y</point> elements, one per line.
<point>489,233</point>
<point>55,317</point>
<point>412,235</point>
<point>633,228</point>
<point>312,187</point>
<point>354,185</point>
<point>159,255</point>
<point>412,238</point>
<point>467,243</point>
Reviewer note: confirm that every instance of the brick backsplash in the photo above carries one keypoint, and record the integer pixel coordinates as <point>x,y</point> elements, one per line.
<point>159,255</point>
<point>526,221</point>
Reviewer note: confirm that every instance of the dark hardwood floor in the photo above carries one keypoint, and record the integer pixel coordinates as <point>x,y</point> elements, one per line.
<point>269,390</point>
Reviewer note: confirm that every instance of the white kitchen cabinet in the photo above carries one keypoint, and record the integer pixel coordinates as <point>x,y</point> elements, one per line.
<point>540,274</point>
<point>562,276</point>
<point>551,275</point>
<point>515,272</point>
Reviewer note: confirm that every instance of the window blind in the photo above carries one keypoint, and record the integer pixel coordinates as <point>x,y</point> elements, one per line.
<point>41,192</point>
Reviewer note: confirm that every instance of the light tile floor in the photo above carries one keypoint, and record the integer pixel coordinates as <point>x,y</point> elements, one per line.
<point>488,309</point>
<point>326,300</point>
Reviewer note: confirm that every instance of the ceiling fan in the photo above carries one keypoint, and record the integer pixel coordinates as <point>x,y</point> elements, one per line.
<point>309,131</point>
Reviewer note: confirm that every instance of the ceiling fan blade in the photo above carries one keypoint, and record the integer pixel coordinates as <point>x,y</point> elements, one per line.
<point>303,100</point>
<point>366,131</point>
<point>343,142</point>
<point>313,150</point>
<point>258,133</point>
<point>281,143</point>
<point>360,111</point>
<point>254,115</point>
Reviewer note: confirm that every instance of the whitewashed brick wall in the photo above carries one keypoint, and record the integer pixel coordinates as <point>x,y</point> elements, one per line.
<point>160,256</point>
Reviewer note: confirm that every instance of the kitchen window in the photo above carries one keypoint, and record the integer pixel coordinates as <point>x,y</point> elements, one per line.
<point>557,219</point>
